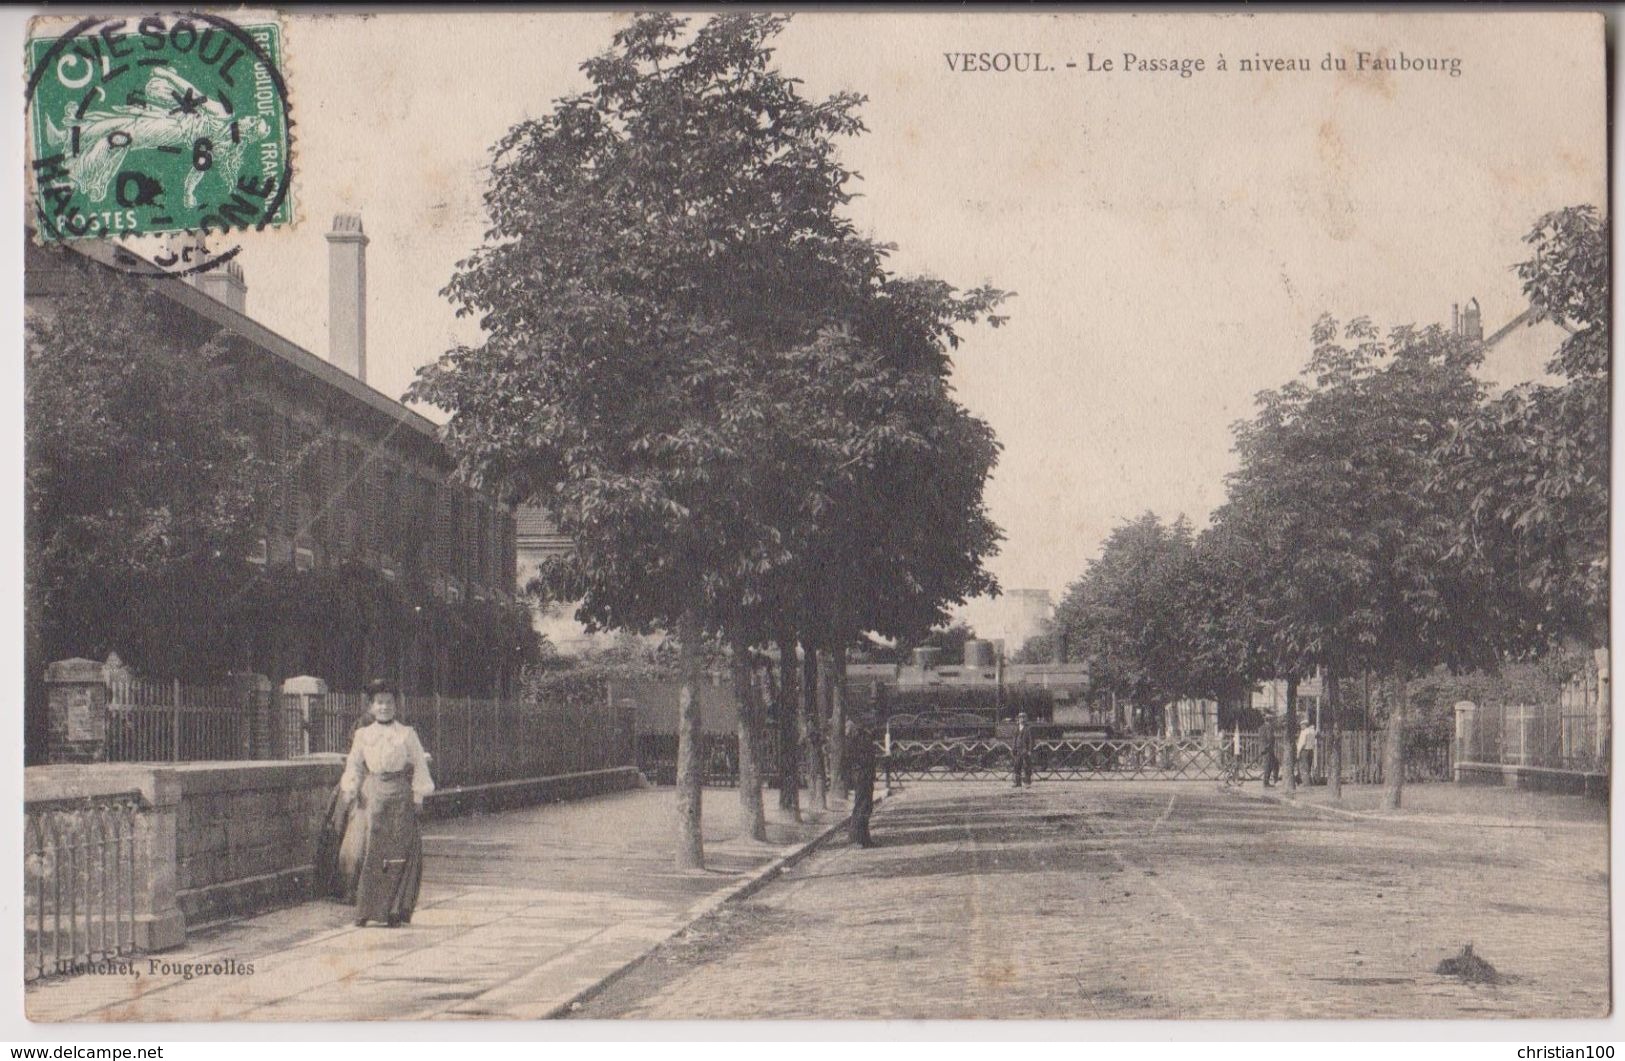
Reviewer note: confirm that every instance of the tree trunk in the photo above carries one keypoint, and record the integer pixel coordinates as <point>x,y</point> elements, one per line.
<point>1393,752</point>
<point>1334,747</point>
<point>1290,750</point>
<point>690,767</point>
<point>837,722</point>
<point>789,733</point>
<point>751,815</point>
<point>811,740</point>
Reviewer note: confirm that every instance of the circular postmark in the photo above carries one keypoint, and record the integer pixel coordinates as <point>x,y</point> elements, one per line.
<point>172,125</point>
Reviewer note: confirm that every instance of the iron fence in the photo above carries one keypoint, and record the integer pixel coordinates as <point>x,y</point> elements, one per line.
<point>1427,758</point>
<point>1553,736</point>
<point>324,722</point>
<point>719,758</point>
<point>79,884</point>
<point>471,740</point>
<point>156,721</point>
<point>475,741</point>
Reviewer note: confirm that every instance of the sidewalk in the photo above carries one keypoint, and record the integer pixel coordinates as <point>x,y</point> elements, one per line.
<point>1447,803</point>
<point>520,912</point>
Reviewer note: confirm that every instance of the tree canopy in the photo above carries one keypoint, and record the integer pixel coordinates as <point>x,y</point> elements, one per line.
<point>697,365</point>
<point>143,492</point>
<point>1132,615</point>
<point>1342,552</point>
<point>1530,468</point>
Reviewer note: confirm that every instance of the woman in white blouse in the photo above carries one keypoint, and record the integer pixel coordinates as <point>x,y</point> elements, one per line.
<point>386,779</point>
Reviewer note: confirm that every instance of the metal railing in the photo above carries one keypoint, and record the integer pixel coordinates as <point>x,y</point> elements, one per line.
<point>320,723</point>
<point>719,758</point>
<point>472,741</point>
<point>476,741</point>
<point>79,884</point>
<point>1427,758</point>
<point>156,721</point>
<point>1552,736</point>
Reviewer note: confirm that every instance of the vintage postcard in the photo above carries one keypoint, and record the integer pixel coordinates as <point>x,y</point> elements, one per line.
<point>816,515</point>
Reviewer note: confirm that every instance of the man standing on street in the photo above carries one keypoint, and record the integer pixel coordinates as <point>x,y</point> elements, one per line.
<point>1021,751</point>
<point>1306,749</point>
<point>1272,759</point>
<point>859,756</point>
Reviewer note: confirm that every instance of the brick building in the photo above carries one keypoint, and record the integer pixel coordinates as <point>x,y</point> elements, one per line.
<point>364,484</point>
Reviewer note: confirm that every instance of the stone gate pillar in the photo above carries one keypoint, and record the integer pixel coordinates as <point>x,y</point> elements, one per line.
<point>299,707</point>
<point>1466,719</point>
<point>256,701</point>
<point>159,924</point>
<point>76,705</point>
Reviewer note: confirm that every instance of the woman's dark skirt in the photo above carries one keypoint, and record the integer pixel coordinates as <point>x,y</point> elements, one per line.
<point>392,850</point>
<point>371,853</point>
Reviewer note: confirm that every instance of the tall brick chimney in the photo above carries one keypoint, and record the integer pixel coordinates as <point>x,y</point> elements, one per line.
<point>347,295</point>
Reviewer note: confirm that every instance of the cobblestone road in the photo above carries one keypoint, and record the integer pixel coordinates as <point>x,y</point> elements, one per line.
<point>1174,900</point>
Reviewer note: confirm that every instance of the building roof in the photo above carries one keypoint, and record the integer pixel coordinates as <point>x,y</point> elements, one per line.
<point>535,530</point>
<point>534,522</point>
<point>1520,350</point>
<point>287,351</point>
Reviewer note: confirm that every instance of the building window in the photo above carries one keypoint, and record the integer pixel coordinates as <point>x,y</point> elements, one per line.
<point>287,493</point>
<point>390,515</point>
<point>458,543</point>
<point>311,459</point>
<point>350,517</point>
<point>373,506</point>
<point>444,522</point>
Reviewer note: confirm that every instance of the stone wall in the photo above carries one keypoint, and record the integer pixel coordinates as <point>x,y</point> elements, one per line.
<point>223,840</point>
<point>215,840</point>
<point>245,834</point>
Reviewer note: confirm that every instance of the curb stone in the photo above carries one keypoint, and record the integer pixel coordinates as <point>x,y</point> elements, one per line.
<point>735,892</point>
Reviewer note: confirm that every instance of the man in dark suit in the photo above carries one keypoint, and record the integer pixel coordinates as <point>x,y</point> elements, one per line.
<point>1272,759</point>
<point>860,762</point>
<point>1021,751</point>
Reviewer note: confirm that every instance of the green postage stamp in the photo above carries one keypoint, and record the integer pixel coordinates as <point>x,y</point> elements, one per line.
<point>159,124</point>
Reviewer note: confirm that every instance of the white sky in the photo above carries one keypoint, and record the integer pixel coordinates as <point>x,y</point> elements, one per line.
<point>1171,240</point>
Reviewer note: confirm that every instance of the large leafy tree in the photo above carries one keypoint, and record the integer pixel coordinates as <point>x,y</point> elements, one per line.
<point>1531,466</point>
<point>702,371</point>
<point>142,490</point>
<point>1351,566</point>
<point>1134,616</point>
